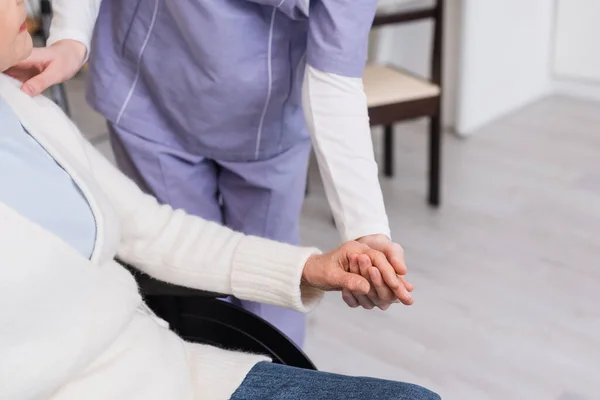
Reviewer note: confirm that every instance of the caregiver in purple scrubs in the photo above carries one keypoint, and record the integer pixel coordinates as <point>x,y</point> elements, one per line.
<point>212,105</point>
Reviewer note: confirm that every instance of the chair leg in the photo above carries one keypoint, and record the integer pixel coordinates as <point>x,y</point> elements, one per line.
<point>435,155</point>
<point>388,151</point>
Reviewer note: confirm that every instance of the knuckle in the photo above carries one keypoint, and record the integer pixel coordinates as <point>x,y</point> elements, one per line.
<point>350,246</point>
<point>381,258</point>
<point>399,248</point>
<point>347,281</point>
<point>361,247</point>
<point>41,82</point>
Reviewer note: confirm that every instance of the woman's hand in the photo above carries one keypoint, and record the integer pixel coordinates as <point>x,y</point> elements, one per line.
<point>48,66</point>
<point>364,275</point>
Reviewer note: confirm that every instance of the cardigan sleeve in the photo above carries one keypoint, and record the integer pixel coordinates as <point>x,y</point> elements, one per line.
<point>185,250</point>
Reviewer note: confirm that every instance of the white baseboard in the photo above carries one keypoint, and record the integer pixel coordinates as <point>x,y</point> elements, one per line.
<point>582,89</point>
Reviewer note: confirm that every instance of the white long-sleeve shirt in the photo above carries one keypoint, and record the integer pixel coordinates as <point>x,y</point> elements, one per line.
<point>336,113</point>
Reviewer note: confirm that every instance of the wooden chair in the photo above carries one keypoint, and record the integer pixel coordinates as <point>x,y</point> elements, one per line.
<point>395,95</point>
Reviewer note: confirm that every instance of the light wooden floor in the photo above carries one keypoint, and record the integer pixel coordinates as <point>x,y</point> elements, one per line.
<point>507,271</point>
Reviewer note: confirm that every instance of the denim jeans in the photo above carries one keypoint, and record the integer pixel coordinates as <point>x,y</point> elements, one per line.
<point>278,382</point>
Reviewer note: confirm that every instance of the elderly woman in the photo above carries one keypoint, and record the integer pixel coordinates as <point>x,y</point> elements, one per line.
<point>72,323</point>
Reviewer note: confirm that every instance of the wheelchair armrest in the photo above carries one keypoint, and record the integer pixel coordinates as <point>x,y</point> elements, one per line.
<point>153,287</point>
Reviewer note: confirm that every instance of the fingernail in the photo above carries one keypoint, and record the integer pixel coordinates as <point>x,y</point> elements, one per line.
<point>28,89</point>
<point>365,287</point>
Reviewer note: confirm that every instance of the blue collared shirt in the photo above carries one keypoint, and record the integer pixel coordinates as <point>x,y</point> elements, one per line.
<point>35,186</point>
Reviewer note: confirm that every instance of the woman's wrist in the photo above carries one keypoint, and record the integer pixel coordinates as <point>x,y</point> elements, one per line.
<point>73,49</point>
<point>308,268</point>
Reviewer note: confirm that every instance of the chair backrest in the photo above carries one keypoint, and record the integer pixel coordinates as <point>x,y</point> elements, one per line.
<point>198,316</point>
<point>222,324</point>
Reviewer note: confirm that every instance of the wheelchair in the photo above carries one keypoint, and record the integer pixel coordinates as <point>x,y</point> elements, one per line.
<point>205,318</point>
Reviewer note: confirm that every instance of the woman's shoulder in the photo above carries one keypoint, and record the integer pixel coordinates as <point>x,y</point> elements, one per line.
<point>44,120</point>
<point>10,90</point>
<point>37,110</point>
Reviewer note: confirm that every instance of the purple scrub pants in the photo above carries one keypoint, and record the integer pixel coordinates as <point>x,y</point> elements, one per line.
<point>262,198</point>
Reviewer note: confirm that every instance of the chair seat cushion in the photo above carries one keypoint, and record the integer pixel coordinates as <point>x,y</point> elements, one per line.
<point>396,6</point>
<point>386,85</point>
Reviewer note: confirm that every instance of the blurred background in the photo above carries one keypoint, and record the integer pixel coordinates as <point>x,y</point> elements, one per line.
<point>486,119</point>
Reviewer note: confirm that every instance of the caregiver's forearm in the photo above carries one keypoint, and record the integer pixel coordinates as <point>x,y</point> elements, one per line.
<point>74,19</point>
<point>337,117</point>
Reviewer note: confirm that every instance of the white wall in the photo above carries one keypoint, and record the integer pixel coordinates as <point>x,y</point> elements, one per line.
<point>576,51</point>
<point>506,49</point>
<point>576,61</point>
<point>497,57</point>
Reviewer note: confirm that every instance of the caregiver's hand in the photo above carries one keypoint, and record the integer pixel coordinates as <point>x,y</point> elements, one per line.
<point>49,65</point>
<point>393,251</point>
<point>380,295</point>
<point>339,270</point>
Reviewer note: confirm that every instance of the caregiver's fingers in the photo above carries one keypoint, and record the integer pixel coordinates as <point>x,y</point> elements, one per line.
<point>364,301</point>
<point>393,252</point>
<point>380,292</point>
<point>356,269</point>
<point>378,260</point>
<point>42,81</point>
<point>394,284</point>
<point>349,298</point>
<point>55,64</point>
<point>395,255</point>
<point>409,286</point>
<point>383,293</point>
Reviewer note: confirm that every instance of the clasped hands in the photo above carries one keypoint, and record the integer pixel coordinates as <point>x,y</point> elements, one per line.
<point>369,271</point>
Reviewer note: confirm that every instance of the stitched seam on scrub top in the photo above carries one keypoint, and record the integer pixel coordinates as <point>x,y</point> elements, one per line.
<point>139,63</point>
<point>270,87</point>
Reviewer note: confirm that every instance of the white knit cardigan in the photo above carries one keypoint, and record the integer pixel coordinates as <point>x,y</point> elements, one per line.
<point>72,328</point>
